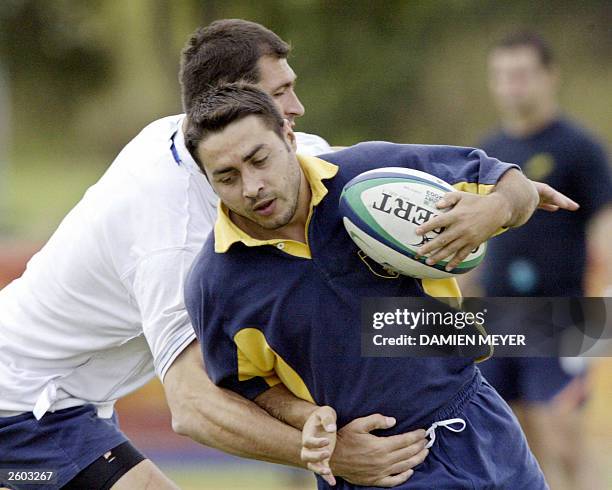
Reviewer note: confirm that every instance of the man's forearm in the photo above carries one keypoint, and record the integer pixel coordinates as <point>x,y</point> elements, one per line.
<point>517,194</point>
<point>279,402</point>
<point>224,420</point>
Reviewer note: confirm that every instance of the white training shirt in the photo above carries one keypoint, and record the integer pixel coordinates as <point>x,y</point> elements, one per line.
<point>100,308</point>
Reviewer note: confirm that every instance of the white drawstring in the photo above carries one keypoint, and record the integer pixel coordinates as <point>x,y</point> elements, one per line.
<point>431,432</point>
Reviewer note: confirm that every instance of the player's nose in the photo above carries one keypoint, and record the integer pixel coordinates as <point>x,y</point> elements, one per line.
<point>294,107</point>
<point>251,186</point>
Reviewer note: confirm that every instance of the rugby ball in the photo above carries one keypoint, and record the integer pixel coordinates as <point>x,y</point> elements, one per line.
<point>381,210</point>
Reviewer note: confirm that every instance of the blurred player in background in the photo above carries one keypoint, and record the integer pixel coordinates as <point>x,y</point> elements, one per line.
<point>547,256</point>
<point>100,311</point>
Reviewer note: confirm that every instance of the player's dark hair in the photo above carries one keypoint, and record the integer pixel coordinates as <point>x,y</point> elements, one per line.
<point>219,106</point>
<point>227,51</point>
<point>530,40</point>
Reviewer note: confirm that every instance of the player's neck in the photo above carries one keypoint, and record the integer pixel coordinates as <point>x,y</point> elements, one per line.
<point>528,124</point>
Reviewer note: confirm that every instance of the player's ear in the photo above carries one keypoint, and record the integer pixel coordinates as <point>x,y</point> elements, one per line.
<point>289,135</point>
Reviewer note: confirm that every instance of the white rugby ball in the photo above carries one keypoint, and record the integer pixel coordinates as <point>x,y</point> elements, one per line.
<point>381,211</point>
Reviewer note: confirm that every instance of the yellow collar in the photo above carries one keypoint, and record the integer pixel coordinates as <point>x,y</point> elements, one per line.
<point>227,233</point>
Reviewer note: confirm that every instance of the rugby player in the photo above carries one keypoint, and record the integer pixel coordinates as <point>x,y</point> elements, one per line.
<point>274,295</point>
<point>547,257</point>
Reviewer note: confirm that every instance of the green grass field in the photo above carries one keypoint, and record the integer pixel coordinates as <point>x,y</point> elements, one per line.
<point>232,478</point>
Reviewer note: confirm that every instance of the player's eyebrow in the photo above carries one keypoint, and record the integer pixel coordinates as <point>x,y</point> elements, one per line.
<point>288,84</point>
<point>223,170</point>
<point>250,154</point>
<point>245,158</point>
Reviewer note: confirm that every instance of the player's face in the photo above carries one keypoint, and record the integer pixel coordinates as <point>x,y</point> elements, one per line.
<point>518,80</point>
<point>277,79</point>
<point>254,172</point>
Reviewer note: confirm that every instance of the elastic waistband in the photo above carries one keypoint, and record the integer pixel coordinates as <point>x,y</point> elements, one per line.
<point>9,413</point>
<point>456,405</point>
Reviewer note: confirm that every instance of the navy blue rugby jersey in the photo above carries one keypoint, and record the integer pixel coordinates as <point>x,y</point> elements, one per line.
<point>546,257</point>
<point>276,311</point>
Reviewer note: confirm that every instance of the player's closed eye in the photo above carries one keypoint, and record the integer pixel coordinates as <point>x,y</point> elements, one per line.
<point>283,90</point>
<point>227,180</point>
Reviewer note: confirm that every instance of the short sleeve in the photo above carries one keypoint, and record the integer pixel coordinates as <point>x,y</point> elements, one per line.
<point>158,284</point>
